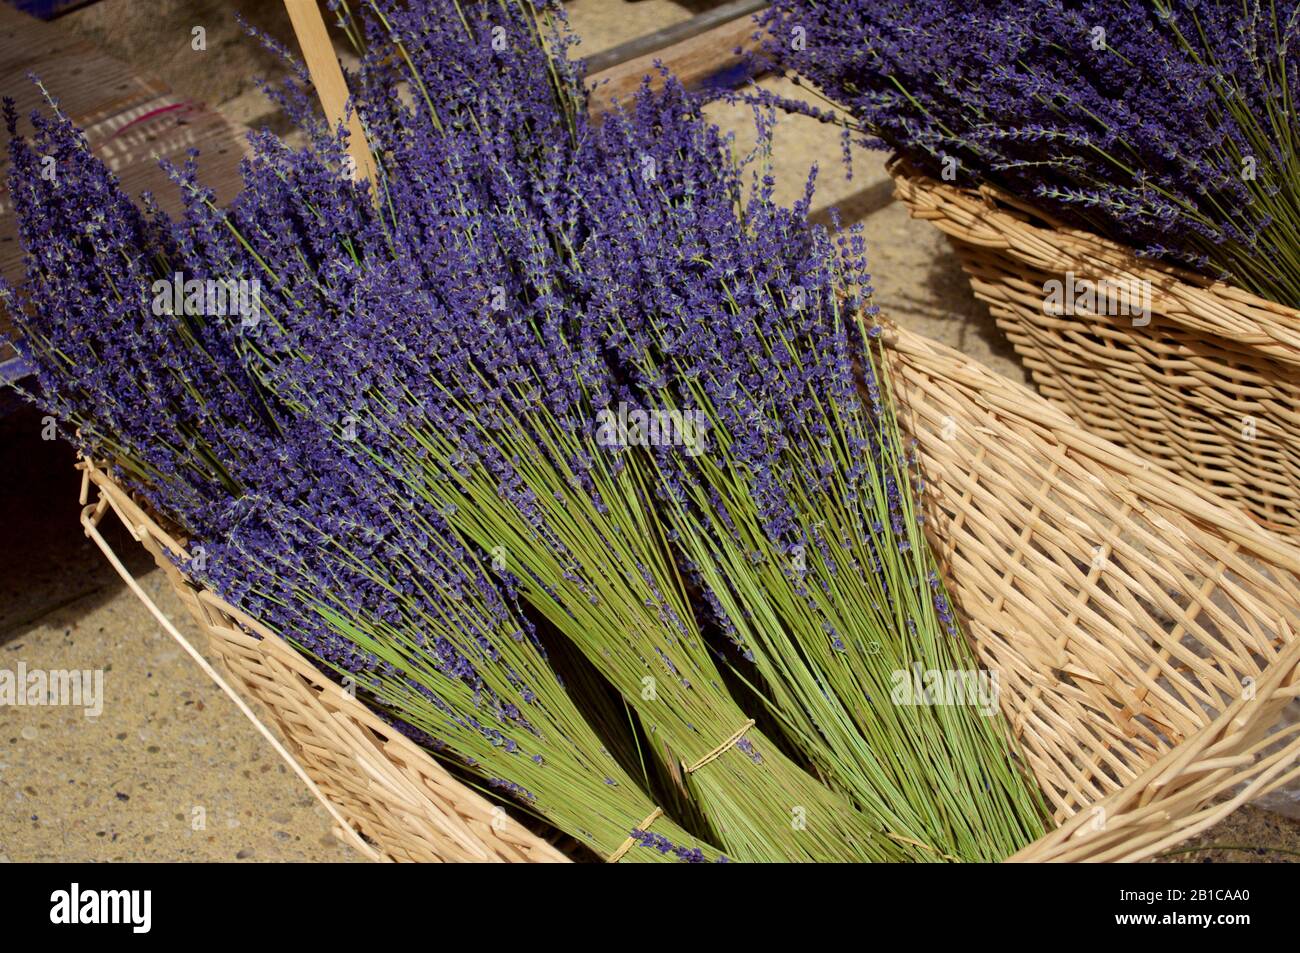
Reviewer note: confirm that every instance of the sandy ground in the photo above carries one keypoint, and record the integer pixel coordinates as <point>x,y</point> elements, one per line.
<point>169,749</point>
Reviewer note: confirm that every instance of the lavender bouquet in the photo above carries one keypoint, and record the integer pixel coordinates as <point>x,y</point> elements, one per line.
<point>345,566</point>
<point>1168,125</point>
<point>656,189</point>
<point>415,459</point>
<point>797,516</point>
<point>455,341</point>
<point>312,528</point>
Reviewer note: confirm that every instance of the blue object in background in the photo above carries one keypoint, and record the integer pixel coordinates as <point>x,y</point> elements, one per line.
<point>12,369</point>
<point>730,77</point>
<point>48,9</point>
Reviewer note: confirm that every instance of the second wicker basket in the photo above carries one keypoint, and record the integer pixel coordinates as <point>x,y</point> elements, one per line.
<point>1197,375</point>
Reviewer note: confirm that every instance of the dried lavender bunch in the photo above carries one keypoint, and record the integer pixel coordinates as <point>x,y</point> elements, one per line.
<point>120,376</point>
<point>381,591</point>
<point>449,330</point>
<point>672,126</point>
<point>796,516</point>
<point>1168,125</point>
<point>384,340</point>
<point>374,587</point>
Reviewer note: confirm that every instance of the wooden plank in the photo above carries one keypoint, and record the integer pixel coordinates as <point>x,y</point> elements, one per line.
<point>327,76</point>
<point>699,61</point>
<point>671,35</point>
<point>129,120</point>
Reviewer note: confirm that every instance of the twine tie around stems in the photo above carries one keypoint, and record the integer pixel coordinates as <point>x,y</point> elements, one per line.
<point>658,812</point>
<point>628,844</point>
<point>735,736</point>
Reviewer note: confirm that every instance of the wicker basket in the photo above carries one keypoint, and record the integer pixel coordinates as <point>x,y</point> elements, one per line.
<point>1210,387</point>
<point>1144,636</point>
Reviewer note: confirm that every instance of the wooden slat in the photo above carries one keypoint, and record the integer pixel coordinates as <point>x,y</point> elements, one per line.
<point>327,76</point>
<point>673,34</point>
<point>698,61</point>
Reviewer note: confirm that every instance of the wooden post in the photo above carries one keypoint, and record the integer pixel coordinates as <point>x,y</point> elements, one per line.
<point>323,64</point>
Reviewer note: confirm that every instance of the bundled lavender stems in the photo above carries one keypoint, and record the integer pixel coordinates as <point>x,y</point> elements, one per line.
<point>795,516</point>
<point>1168,125</point>
<point>483,384</point>
<point>334,557</point>
<point>416,457</point>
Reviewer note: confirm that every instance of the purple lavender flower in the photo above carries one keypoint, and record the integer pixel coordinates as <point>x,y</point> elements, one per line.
<point>1164,125</point>
<point>290,472</point>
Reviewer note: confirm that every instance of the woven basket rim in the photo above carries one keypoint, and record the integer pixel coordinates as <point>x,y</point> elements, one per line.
<point>395,746</point>
<point>1245,317</point>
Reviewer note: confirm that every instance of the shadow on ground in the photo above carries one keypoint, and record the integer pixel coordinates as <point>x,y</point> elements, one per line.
<point>47,561</point>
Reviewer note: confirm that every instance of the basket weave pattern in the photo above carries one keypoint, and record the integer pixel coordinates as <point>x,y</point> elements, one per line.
<point>1143,634</point>
<point>1213,363</point>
